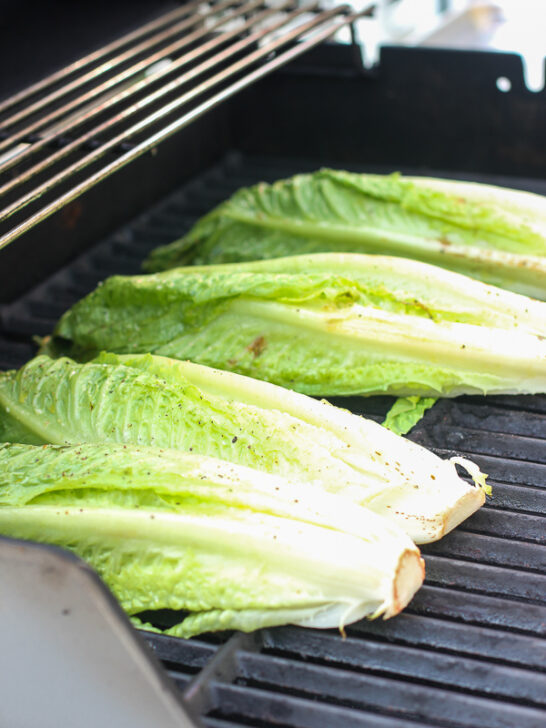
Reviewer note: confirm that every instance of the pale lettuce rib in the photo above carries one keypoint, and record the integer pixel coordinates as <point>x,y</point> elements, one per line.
<point>490,233</point>
<point>154,401</point>
<point>116,474</point>
<point>156,560</point>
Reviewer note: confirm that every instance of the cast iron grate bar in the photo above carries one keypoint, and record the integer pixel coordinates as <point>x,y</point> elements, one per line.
<point>442,636</point>
<point>510,524</point>
<point>470,648</point>
<point>407,698</point>
<point>364,656</point>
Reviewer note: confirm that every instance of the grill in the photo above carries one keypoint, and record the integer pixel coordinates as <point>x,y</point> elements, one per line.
<point>470,648</point>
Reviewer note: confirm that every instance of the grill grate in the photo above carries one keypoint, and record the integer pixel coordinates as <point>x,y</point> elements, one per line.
<point>58,136</point>
<point>470,648</point>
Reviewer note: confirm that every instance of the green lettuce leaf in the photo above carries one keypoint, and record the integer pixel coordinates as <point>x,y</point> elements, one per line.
<point>230,545</point>
<point>324,325</point>
<point>155,401</point>
<point>406,412</point>
<point>490,233</point>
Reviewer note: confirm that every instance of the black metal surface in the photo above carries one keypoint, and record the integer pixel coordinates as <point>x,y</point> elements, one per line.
<point>424,107</point>
<point>471,647</point>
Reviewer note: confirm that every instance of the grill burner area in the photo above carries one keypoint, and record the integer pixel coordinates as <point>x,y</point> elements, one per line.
<point>470,650</point>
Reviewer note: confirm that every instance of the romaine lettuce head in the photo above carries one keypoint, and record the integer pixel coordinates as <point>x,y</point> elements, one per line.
<point>165,403</point>
<point>234,547</point>
<point>324,325</point>
<point>494,234</point>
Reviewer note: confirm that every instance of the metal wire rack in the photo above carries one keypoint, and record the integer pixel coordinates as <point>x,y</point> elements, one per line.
<point>63,135</point>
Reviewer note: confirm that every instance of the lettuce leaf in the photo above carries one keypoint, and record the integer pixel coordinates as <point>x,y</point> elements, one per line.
<point>324,325</point>
<point>490,233</point>
<point>147,400</point>
<point>230,545</point>
<point>406,412</point>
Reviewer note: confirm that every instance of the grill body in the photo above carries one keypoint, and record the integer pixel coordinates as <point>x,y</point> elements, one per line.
<point>470,648</point>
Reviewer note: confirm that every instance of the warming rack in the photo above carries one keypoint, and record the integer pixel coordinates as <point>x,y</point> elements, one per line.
<point>68,132</point>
